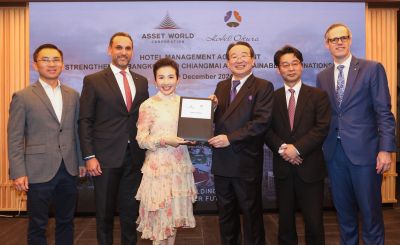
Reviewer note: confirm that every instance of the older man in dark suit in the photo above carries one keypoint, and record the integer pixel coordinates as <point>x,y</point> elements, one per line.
<point>361,137</point>
<point>241,119</point>
<point>300,123</point>
<point>43,147</point>
<point>110,103</point>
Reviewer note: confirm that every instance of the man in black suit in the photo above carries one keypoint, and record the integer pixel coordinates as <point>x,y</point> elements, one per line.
<point>300,123</point>
<point>110,102</point>
<point>241,119</point>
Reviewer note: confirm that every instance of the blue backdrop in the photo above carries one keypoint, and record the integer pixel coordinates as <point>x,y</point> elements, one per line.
<point>196,35</point>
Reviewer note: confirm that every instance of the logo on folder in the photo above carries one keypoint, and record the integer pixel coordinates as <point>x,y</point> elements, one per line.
<point>232,18</point>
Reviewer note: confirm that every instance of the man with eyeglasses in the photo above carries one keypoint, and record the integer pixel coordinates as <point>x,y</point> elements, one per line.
<point>43,147</point>
<point>361,137</point>
<point>242,116</point>
<point>300,123</point>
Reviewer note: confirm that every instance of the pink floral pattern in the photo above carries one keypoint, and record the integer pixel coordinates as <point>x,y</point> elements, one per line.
<point>167,190</point>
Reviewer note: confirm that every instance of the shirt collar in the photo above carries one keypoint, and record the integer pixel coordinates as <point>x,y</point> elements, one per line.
<point>295,87</point>
<point>243,79</point>
<point>116,70</point>
<point>346,63</point>
<point>47,86</point>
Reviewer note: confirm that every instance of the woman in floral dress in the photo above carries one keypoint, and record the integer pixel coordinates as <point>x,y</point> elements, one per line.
<point>167,190</point>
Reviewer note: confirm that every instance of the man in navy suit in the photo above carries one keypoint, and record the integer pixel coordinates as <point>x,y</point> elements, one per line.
<point>361,137</point>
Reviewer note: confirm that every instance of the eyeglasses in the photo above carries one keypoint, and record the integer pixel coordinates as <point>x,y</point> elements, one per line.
<point>241,57</point>
<point>335,40</point>
<point>294,64</point>
<point>48,61</point>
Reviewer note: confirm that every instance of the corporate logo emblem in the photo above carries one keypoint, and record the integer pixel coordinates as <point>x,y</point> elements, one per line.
<point>168,32</point>
<point>232,18</point>
<point>167,23</point>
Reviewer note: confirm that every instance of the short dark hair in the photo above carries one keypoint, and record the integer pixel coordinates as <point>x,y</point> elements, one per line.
<point>163,62</point>
<point>119,34</point>
<point>287,49</point>
<point>46,46</point>
<point>252,54</point>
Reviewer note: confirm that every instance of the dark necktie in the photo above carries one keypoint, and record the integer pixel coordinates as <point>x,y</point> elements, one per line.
<point>128,94</point>
<point>340,85</point>
<point>235,83</point>
<point>291,107</point>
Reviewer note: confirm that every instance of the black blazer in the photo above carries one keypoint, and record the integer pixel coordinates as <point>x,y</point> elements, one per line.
<point>310,127</point>
<point>245,122</point>
<point>105,125</point>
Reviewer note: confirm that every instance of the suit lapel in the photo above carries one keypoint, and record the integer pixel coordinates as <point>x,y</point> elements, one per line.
<point>65,101</point>
<point>225,92</point>
<point>301,103</point>
<point>331,86</point>
<point>351,79</point>
<point>113,84</point>
<point>135,102</point>
<point>239,97</point>
<point>282,107</point>
<point>223,97</point>
<point>39,91</point>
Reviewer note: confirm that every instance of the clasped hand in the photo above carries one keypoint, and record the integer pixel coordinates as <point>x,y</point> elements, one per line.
<point>289,153</point>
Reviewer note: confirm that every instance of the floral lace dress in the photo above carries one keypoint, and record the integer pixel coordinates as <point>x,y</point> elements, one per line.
<point>167,190</point>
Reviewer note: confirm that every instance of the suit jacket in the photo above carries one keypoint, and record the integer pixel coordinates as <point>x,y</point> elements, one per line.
<point>310,127</point>
<point>364,121</point>
<point>105,124</point>
<point>245,122</point>
<point>37,141</point>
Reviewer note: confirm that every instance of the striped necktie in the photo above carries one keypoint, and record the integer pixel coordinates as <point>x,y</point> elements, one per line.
<point>235,83</point>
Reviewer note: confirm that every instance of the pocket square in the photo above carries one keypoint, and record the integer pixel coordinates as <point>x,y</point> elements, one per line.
<point>250,97</point>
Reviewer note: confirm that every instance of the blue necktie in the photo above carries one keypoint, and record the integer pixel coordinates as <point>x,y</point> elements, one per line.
<point>340,85</point>
<point>235,83</point>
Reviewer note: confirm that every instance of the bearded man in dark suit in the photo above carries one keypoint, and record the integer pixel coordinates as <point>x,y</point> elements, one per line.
<point>109,108</point>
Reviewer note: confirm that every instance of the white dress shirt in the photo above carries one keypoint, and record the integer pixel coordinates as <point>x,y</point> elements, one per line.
<point>296,88</point>
<point>346,69</point>
<point>54,96</point>
<point>120,81</point>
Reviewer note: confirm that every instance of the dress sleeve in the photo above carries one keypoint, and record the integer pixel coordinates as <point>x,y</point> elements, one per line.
<point>144,137</point>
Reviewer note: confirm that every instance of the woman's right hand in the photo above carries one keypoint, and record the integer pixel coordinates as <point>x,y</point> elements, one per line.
<point>175,141</point>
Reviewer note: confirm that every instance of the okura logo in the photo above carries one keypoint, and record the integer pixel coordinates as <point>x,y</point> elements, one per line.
<point>168,32</point>
<point>232,18</point>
